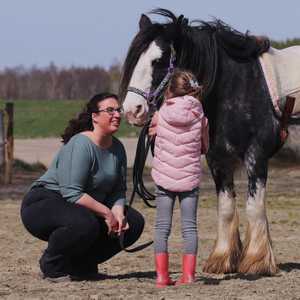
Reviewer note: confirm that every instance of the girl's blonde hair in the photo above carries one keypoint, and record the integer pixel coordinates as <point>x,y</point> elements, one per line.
<point>183,83</point>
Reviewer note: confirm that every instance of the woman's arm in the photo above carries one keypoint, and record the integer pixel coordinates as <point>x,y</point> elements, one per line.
<point>100,210</point>
<point>74,168</point>
<point>117,199</point>
<point>73,171</point>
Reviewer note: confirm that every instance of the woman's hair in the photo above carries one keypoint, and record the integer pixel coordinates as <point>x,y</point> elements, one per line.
<point>84,120</point>
<point>183,83</point>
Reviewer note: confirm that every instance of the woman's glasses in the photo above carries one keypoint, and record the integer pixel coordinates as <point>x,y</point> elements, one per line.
<point>111,110</point>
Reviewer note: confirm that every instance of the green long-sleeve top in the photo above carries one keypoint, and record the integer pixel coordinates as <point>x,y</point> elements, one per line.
<point>81,167</point>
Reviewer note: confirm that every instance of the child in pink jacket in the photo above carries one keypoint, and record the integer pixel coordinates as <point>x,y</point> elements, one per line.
<point>181,137</point>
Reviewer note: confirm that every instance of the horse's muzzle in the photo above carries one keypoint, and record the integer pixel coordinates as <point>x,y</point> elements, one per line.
<point>134,120</point>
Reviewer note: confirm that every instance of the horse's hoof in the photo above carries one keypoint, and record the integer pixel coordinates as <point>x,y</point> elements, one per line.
<point>249,265</point>
<point>219,265</point>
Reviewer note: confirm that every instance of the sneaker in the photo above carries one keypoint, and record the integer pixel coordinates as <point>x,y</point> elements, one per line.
<point>85,271</point>
<point>66,278</point>
<point>88,277</point>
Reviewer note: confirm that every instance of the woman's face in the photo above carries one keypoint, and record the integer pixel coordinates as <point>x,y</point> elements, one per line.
<point>109,116</point>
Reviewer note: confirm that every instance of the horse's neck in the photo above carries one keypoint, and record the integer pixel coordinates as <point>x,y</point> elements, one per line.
<point>235,83</point>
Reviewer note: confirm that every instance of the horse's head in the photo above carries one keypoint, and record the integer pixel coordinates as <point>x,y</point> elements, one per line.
<point>148,65</point>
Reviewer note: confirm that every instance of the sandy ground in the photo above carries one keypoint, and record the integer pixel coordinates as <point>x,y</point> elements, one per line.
<point>132,276</point>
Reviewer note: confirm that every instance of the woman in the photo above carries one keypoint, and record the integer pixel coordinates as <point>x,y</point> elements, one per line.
<point>78,204</point>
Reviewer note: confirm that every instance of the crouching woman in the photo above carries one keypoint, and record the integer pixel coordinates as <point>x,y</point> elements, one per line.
<point>78,205</point>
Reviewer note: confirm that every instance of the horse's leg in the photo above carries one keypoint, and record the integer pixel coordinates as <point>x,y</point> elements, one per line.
<point>257,256</point>
<point>227,250</point>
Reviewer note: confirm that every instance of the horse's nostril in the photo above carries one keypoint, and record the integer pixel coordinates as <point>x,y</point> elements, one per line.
<point>138,108</point>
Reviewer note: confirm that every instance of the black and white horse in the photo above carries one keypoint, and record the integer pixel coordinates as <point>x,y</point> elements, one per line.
<point>243,125</point>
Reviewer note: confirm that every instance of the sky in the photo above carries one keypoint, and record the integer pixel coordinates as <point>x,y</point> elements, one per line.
<point>96,32</point>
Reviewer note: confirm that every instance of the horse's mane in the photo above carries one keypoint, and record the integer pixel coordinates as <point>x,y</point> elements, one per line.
<point>196,44</point>
<point>237,45</point>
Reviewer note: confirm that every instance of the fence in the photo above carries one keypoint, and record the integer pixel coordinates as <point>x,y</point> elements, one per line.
<point>6,143</point>
<point>2,139</point>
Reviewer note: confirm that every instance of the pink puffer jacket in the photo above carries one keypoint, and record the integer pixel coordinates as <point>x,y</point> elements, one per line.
<point>176,163</point>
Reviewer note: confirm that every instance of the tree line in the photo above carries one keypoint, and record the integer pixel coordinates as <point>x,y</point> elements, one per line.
<point>286,43</point>
<point>53,82</point>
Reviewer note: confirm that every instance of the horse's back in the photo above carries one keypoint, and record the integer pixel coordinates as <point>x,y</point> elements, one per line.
<point>281,70</point>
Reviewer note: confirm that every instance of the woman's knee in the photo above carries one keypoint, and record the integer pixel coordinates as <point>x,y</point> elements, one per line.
<point>74,238</point>
<point>86,227</point>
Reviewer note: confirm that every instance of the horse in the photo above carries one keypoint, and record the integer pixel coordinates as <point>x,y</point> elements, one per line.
<point>243,126</point>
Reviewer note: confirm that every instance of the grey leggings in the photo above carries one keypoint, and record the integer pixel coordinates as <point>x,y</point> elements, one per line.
<point>164,211</point>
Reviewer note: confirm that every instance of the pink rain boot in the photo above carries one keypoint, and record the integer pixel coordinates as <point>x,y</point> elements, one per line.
<point>188,269</point>
<point>162,270</point>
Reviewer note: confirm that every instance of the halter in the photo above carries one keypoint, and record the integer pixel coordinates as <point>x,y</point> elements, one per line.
<point>151,97</point>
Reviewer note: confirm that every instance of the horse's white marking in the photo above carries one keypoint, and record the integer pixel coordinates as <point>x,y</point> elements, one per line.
<point>257,241</point>
<point>250,161</point>
<point>255,207</point>
<point>135,106</point>
<point>226,209</point>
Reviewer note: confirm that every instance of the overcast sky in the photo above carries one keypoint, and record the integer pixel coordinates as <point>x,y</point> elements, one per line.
<point>96,32</point>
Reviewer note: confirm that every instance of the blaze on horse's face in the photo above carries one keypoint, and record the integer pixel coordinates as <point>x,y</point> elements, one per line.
<point>150,69</point>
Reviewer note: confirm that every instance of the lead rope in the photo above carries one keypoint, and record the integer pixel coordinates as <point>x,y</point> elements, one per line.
<point>142,149</point>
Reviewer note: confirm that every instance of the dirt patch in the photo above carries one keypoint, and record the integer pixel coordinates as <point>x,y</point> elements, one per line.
<point>132,276</point>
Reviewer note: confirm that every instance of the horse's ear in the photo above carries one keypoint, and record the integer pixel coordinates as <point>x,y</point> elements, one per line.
<point>179,19</point>
<point>185,21</point>
<point>144,22</point>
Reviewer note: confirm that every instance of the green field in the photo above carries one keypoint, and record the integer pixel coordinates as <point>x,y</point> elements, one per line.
<point>48,118</point>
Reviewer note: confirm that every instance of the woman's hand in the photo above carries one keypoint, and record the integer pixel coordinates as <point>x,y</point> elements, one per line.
<point>118,212</point>
<point>111,222</point>
<point>101,210</point>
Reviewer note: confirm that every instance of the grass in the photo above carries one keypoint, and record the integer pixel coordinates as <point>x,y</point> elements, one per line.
<point>24,166</point>
<point>48,118</point>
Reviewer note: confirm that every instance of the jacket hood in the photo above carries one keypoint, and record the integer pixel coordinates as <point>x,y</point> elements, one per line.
<point>181,111</point>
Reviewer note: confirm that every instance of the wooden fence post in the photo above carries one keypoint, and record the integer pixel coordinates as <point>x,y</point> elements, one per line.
<point>2,145</point>
<point>9,145</point>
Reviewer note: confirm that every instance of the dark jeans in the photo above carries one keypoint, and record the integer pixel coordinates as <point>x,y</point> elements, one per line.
<point>77,238</point>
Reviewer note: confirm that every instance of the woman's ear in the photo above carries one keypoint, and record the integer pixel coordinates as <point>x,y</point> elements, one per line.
<point>94,115</point>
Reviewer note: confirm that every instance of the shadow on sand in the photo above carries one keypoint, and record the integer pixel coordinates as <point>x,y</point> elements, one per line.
<point>285,267</point>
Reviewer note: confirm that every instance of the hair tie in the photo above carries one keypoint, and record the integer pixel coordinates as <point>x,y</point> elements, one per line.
<point>194,83</point>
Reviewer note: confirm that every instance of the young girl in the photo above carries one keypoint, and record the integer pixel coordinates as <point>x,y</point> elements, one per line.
<point>181,136</point>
